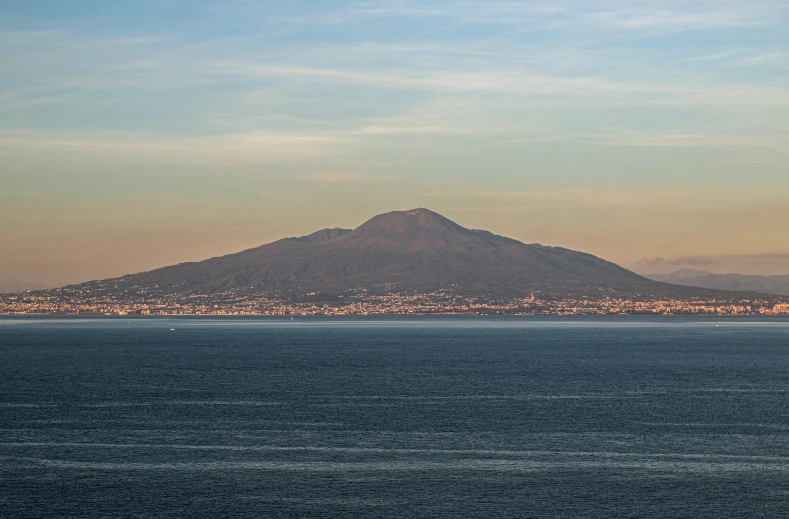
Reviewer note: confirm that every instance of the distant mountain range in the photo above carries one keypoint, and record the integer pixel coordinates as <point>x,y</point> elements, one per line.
<point>697,278</point>
<point>416,250</point>
<point>10,285</point>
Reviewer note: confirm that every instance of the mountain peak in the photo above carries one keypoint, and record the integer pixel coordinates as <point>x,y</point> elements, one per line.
<point>408,221</point>
<point>407,231</point>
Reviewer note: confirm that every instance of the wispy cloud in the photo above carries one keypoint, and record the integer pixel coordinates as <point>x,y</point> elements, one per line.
<point>680,140</point>
<point>21,194</point>
<point>524,83</point>
<point>344,177</point>
<point>579,196</point>
<point>756,161</point>
<point>672,21</point>
<point>624,138</point>
<point>253,147</point>
<point>24,102</point>
<point>769,58</point>
<point>663,15</point>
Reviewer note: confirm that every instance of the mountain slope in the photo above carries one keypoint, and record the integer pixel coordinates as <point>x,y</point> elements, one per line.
<point>403,250</point>
<point>697,278</point>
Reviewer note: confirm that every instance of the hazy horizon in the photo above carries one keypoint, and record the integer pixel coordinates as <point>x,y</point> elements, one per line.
<point>134,135</point>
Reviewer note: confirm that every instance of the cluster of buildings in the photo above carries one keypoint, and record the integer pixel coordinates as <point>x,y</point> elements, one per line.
<point>360,302</point>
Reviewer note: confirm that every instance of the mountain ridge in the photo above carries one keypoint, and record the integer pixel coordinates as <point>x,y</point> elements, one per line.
<point>778,285</point>
<point>13,285</point>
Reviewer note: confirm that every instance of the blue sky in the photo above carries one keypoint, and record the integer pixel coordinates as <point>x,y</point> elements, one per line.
<point>138,134</point>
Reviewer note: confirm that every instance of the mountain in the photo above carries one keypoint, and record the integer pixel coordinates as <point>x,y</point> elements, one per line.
<point>683,274</point>
<point>11,285</point>
<point>697,278</point>
<point>416,250</point>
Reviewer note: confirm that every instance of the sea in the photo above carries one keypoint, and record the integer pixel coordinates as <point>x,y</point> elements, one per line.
<point>663,417</point>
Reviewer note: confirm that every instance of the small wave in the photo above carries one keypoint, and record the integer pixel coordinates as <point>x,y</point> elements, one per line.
<point>182,402</point>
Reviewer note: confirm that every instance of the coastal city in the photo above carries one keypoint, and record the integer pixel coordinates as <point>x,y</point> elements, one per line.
<point>439,302</point>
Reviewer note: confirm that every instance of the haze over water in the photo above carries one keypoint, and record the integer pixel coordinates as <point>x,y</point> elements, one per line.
<point>395,417</point>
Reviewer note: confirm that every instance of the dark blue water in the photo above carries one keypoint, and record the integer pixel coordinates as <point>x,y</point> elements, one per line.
<point>469,417</point>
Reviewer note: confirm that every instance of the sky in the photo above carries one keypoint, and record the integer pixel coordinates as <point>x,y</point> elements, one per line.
<point>137,134</point>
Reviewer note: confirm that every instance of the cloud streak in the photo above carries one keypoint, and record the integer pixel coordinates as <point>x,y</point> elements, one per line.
<point>253,147</point>
<point>665,15</point>
<point>522,83</point>
<point>344,177</point>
